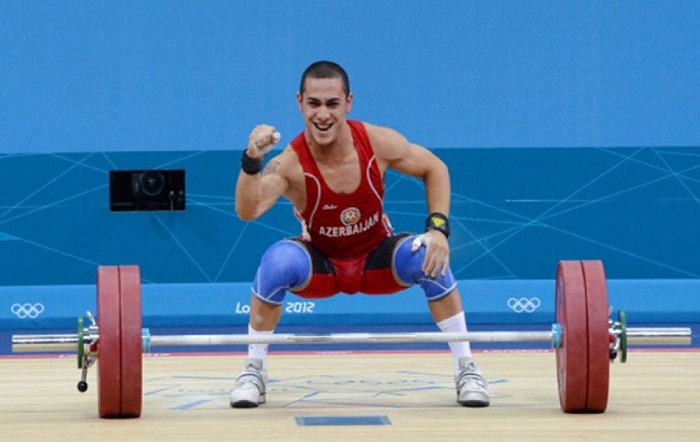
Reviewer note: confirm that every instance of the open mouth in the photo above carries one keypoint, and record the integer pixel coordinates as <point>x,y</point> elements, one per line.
<point>323,127</point>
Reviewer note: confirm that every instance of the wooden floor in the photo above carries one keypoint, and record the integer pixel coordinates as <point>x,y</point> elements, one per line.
<point>655,396</point>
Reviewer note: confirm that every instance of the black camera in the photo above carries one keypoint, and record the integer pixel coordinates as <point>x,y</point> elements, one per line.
<point>138,190</point>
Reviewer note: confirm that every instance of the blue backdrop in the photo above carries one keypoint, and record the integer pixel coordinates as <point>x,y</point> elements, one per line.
<point>571,130</point>
<point>186,75</point>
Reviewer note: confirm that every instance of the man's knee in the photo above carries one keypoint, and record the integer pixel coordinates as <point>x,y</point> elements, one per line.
<point>285,265</point>
<point>408,268</point>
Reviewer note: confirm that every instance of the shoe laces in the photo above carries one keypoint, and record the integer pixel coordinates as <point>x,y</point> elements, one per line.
<point>251,378</point>
<point>252,374</point>
<point>470,376</point>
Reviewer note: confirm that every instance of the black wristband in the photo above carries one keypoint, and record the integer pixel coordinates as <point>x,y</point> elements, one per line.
<point>249,165</point>
<point>438,221</point>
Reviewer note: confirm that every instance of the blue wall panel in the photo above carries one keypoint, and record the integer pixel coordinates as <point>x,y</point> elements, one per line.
<point>516,213</point>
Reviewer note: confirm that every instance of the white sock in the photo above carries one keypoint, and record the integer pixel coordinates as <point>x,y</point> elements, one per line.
<point>258,351</point>
<point>456,324</point>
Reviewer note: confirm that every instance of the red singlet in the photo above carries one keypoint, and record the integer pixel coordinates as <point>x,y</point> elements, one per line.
<point>344,225</point>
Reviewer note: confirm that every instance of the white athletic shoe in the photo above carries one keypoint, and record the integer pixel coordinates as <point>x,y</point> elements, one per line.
<point>249,390</point>
<point>472,388</point>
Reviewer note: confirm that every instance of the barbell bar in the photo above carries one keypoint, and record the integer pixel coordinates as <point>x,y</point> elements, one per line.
<point>69,342</point>
<point>586,340</point>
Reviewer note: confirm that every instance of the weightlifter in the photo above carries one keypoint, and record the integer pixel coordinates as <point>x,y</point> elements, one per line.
<point>333,174</point>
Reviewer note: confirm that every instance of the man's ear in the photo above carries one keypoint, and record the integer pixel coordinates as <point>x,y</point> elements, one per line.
<point>348,103</point>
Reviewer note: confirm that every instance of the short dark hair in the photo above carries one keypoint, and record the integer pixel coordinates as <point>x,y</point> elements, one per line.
<point>325,69</point>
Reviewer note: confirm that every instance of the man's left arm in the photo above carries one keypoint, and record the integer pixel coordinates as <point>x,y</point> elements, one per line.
<point>394,151</point>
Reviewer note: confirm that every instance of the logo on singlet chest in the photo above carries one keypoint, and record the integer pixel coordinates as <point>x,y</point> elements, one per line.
<point>350,216</point>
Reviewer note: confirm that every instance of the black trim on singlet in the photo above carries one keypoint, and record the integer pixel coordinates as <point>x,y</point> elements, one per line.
<point>319,263</point>
<point>381,257</point>
<point>378,259</point>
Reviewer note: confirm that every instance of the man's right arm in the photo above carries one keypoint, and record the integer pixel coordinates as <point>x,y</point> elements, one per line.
<point>257,192</point>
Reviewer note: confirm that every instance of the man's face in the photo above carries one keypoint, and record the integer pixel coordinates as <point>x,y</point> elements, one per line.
<point>324,105</point>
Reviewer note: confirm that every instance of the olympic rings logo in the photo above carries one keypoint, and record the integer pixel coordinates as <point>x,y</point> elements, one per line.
<point>524,305</point>
<point>24,311</point>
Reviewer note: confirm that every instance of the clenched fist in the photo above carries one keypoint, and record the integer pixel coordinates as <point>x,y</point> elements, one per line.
<point>262,139</point>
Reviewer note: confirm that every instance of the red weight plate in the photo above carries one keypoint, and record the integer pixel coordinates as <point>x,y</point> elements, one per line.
<point>572,356</point>
<point>131,349</point>
<point>109,345</point>
<point>598,336</point>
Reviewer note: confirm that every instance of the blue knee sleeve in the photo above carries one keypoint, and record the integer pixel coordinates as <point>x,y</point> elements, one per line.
<point>407,265</point>
<point>285,265</point>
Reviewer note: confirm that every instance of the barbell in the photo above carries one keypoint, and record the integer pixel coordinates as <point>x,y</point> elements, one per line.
<point>584,337</point>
